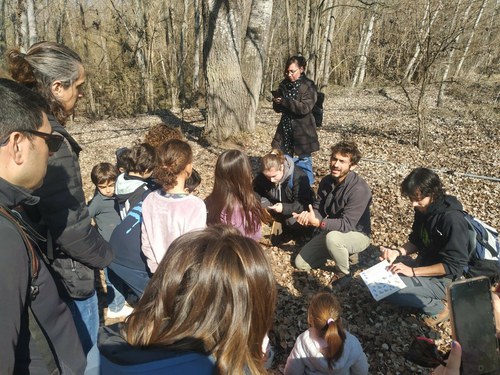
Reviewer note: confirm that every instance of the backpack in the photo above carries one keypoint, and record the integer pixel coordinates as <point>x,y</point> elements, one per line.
<point>29,237</point>
<point>317,110</point>
<point>484,247</point>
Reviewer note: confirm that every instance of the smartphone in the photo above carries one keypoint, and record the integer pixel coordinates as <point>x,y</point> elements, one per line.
<point>276,94</point>
<point>473,325</point>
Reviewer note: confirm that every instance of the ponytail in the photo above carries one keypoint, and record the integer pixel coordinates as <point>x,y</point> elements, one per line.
<point>324,316</point>
<point>334,336</point>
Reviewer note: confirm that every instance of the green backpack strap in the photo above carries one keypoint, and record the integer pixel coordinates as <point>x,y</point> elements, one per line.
<point>36,331</point>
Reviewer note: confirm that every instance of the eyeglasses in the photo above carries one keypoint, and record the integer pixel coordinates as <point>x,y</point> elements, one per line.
<point>289,72</point>
<point>53,141</point>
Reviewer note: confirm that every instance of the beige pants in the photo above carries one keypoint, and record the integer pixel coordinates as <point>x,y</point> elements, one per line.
<point>331,245</point>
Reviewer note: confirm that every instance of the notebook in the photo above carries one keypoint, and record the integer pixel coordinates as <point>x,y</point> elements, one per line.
<point>381,282</point>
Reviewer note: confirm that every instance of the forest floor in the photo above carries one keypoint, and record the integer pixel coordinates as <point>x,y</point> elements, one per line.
<point>465,139</point>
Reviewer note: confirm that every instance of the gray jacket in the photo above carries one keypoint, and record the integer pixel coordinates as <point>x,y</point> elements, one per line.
<point>345,207</point>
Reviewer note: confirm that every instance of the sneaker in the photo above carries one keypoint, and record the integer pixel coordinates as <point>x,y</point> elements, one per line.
<point>434,320</point>
<point>123,313</point>
<point>340,280</point>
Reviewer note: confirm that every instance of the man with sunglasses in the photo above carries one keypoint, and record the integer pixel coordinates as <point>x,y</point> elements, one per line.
<point>37,329</point>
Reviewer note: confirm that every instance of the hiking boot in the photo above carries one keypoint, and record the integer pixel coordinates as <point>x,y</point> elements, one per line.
<point>340,280</point>
<point>434,320</point>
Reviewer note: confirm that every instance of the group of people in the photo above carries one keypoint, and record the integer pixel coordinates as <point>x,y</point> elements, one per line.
<point>206,291</point>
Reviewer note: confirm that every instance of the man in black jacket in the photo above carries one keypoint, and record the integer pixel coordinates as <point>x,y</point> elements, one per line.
<point>440,237</point>
<point>30,301</point>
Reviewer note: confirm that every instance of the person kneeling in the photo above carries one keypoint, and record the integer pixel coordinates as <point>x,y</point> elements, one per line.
<point>341,212</point>
<point>439,236</point>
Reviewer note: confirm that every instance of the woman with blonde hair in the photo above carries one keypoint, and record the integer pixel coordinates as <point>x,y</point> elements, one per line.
<point>206,310</point>
<point>170,211</point>
<point>326,347</point>
<point>284,188</point>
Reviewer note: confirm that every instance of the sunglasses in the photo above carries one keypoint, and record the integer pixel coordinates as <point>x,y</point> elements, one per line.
<point>53,141</point>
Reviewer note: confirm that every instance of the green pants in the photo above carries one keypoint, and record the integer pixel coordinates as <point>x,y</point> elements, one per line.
<point>331,245</point>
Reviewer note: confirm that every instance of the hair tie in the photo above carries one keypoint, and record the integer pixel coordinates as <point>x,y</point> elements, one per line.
<point>330,320</point>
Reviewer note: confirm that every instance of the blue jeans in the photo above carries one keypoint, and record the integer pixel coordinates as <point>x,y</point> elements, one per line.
<point>114,297</point>
<point>86,316</point>
<point>305,162</point>
<point>421,292</point>
<point>137,280</point>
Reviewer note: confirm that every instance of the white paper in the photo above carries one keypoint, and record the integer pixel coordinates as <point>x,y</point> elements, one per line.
<point>381,282</point>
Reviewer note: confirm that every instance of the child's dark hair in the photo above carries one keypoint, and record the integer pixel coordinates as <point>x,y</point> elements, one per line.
<point>173,157</point>
<point>122,159</point>
<point>233,189</point>
<point>140,158</point>
<point>324,316</point>
<point>422,183</point>
<point>161,133</point>
<point>103,173</point>
<point>192,181</point>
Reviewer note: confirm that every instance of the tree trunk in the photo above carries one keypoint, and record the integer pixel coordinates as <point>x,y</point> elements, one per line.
<point>469,41</point>
<point>327,52</point>
<point>197,42</point>
<point>364,46</point>
<point>423,32</point>
<point>233,72</point>
<point>171,58</point>
<point>30,13</point>
<point>22,26</point>
<point>442,86</point>
<point>3,43</point>
<point>288,27</point>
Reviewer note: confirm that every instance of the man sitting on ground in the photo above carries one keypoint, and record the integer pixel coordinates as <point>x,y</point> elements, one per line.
<point>440,237</point>
<point>341,212</point>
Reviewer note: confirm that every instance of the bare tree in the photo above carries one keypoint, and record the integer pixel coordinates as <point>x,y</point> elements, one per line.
<point>469,40</point>
<point>364,46</point>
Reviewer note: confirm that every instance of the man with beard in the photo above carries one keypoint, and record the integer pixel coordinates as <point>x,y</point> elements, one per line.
<point>341,214</point>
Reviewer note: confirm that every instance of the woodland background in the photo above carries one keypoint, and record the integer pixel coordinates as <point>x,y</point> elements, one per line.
<point>222,55</point>
<point>413,82</point>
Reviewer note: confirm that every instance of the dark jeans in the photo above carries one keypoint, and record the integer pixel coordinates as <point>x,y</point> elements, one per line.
<point>137,280</point>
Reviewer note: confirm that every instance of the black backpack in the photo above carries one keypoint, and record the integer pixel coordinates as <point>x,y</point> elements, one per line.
<point>317,110</point>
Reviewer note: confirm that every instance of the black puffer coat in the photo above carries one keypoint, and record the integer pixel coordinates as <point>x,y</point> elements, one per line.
<point>75,247</point>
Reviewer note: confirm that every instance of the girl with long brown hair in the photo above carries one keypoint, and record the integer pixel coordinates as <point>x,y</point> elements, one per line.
<point>326,347</point>
<point>209,305</point>
<point>233,200</point>
<point>170,212</point>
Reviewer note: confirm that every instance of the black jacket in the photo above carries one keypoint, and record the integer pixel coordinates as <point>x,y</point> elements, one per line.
<point>441,236</point>
<point>75,248</point>
<point>305,138</point>
<point>19,354</point>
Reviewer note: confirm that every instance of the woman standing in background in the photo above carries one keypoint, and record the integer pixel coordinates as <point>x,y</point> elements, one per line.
<point>295,99</point>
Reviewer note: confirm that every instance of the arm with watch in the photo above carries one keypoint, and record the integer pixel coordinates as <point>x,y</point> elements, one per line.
<point>391,254</point>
